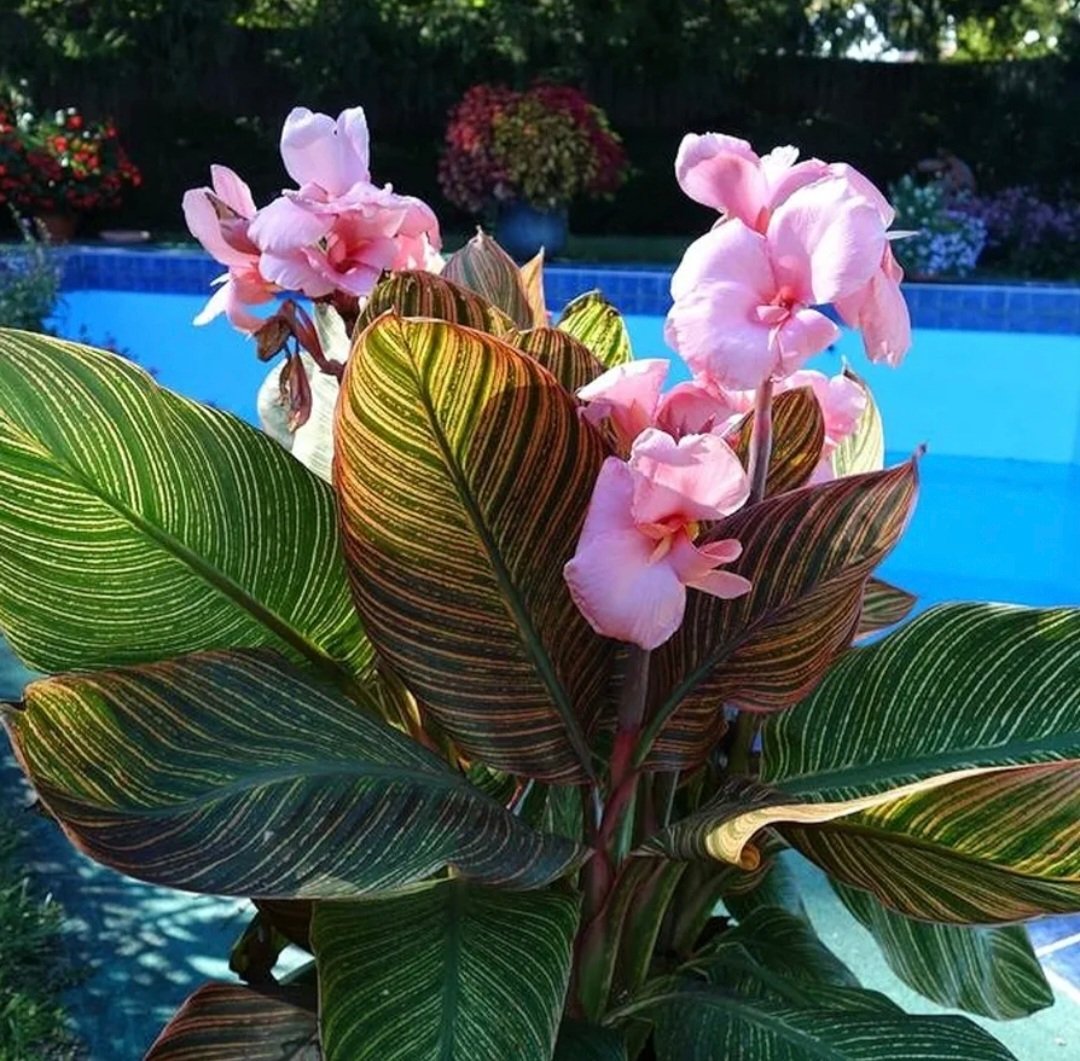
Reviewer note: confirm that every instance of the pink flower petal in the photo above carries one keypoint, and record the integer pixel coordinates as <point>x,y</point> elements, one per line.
<point>232,191</point>
<point>618,578</point>
<point>696,407</point>
<point>729,252</point>
<point>320,150</point>
<point>865,187</point>
<point>697,478</point>
<point>205,225</point>
<point>723,172</point>
<point>879,311</point>
<point>825,242</point>
<point>628,394</point>
<point>841,399</point>
<point>284,226</point>
<point>696,565</point>
<point>805,333</point>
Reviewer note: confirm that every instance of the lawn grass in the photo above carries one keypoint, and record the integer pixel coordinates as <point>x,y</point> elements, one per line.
<point>33,972</point>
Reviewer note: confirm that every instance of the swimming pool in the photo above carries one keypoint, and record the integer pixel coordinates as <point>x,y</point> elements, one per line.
<point>999,509</point>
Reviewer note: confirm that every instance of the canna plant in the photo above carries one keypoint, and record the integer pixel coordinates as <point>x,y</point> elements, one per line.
<point>510,724</point>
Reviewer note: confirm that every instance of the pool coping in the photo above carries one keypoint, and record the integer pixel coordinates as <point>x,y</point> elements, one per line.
<point>1004,307</point>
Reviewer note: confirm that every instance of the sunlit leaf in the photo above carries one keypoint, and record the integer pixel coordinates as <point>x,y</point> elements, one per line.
<point>423,294</point>
<point>597,324</point>
<point>569,361</point>
<point>532,279</point>
<point>864,449</point>
<point>798,433</point>
<point>484,267</point>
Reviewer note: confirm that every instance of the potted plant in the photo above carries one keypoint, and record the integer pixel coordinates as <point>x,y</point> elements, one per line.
<point>528,154</point>
<point>57,167</point>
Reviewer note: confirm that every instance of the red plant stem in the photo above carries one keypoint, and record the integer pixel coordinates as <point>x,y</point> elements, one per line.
<point>761,441</point>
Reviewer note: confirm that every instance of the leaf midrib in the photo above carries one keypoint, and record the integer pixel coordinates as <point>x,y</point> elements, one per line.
<point>457,904</point>
<point>214,578</point>
<point>530,637</point>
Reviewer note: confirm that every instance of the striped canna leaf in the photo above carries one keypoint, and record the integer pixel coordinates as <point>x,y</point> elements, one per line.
<point>798,435</point>
<point>137,525</point>
<point>704,1023</point>
<point>484,267</point>
<point>807,554</point>
<point>444,970</point>
<point>864,449</point>
<point>463,474</point>
<point>421,294</point>
<point>883,605</point>
<point>569,361</point>
<point>532,279</point>
<point>232,773</point>
<point>938,769</point>
<point>989,971</point>
<point>596,323</point>
<point>234,1022</point>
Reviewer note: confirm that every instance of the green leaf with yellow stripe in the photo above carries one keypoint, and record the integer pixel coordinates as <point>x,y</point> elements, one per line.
<point>463,474</point>
<point>807,554</point>
<point>233,773</point>
<point>569,361</point>
<point>484,267</point>
<point>864,449</point>
<point>422,294</point>
<point>137,525</point>
<point>447,970</point>
<point>988,970</point>
<point>597,324</point>
<point>938,769</point>
<point>798,428</point>
<point>234,1022</point>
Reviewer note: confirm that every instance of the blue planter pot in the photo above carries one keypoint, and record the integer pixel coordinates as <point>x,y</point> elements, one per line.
<point>521,230</point>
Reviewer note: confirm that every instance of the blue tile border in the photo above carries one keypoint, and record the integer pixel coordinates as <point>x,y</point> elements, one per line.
<point>644,290</point>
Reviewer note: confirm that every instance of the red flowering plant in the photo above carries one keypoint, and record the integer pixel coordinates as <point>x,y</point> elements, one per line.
<point>60,162</point>
<point>546,145</point>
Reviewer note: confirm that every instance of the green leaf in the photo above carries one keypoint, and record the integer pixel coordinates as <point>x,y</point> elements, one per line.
<point>990,971</point>
<point>137,525</point>
<point>233,1022</point>
<point>798,437</point>
<point>232,773</point>
<point>710,1024</point>
<point>864,449</point>
<point>807,554</point>
<point>569,361</point>
<point>532,279</point>
<point>597,324</point>
<point>484,267</point>
<point>463,477</point>
<point>446,970</point>
<point>884,605</point>
<point>580,1041</point>
<point>938,769</point>
<point>422,294</point>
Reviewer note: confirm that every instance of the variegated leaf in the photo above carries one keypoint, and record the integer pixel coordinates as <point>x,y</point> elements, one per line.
<point>798,432</point>
<point>446,970</point>
<point>484,267</point>
<point>232,773</point>
<point>463,474</point>
<point>596,323</point>
<point>569,361</point>
<point>807,554</point>
<point>883,605</point>
<point>137,525</point>
<point>990,971</point>
<point>864,449</point>
<point>234,1022</point>
<point>532,279</point>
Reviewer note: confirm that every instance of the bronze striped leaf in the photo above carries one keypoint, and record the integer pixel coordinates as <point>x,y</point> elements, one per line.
<point>938,769</point>
<point>484,267</point>
<point>421,294</point>
<point>864,449</point>
<point>807,553</point>
<point>798,437</point>
<point>463,473</point>
<point>569,361</point>
<point>446,970</point>
<point>532,279</point>
<point>136,524</point>
<point>233,773</point>
<point>234,1022</point>
<point>597,324</point>
<point>883,605</point>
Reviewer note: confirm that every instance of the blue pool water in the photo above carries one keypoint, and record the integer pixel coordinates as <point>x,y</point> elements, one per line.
<point>999,511</point>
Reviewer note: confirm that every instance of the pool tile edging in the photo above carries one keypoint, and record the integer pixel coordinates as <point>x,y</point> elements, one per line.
<point>984,307</point>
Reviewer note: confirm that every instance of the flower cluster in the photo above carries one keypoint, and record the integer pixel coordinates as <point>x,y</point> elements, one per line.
<point>61,161</point>
<point>1025,233</point>
<point>546,145</point>
<point>333,235</point>
<point>792,236</point>
<point>946,239</point>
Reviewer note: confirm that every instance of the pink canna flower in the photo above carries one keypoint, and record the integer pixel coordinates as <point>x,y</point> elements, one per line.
<point>338,231</point>
<point>742,299</point>
<point>879,311</point>
<point>220,217</point>
<point>637,556</point>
